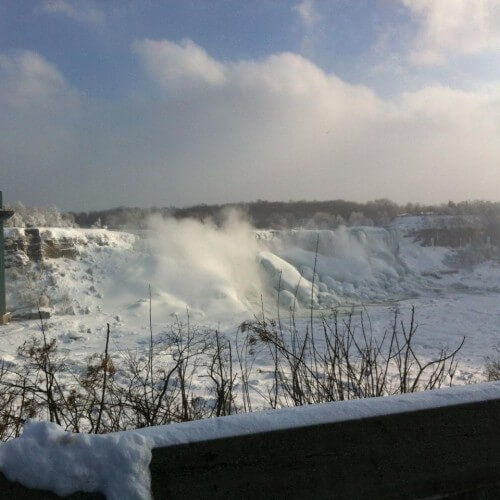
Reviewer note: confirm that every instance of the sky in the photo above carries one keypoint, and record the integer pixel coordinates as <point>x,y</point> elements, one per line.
<point>174,103</point>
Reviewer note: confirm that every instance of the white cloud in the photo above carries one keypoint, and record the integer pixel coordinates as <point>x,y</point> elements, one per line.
<point>177,64</point>
<point>308,13</point>
<point>27,79</point>
<point>82,11</point>
<point>277,128</point>
<point>453,27</point>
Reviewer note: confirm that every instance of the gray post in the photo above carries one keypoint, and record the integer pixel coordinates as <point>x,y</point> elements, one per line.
<point>4,215</point>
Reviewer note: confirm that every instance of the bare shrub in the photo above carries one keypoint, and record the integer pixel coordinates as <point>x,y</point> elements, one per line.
<point>347,361</point>
<point>492,369</point>
<point>337,358</point>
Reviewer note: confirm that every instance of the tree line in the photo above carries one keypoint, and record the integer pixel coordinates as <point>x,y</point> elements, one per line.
<point>261,214</point>
<point>289,214</point>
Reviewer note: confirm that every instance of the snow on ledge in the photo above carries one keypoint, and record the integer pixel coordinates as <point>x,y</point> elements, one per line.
<point>117,464</point>
<point>48,458</point>
<point>305,416</point>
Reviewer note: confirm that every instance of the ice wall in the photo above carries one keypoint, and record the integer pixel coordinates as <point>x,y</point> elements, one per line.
<point>351,264</point>
<point>214,271</point>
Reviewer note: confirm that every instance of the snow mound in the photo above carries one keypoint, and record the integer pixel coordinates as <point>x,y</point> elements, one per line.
<point>48,458</point>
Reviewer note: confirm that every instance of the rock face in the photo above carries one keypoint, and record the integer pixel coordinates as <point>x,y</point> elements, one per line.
<point>33,244</point>
<point>27,245</point>
<point>50,269</point>
<point>31,314</point>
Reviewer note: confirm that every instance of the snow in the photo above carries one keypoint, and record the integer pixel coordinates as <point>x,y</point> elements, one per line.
<point>284,277</point>
<point>304,416</point>
<point>408,224</point>
<point>353,264</point>
<point>68,286</point>
<point>223,276</point>
<point>46,457</point>
<point>220,273</point>
<point>81,237</point>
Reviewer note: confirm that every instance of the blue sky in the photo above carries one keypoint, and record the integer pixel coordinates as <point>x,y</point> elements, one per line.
<point>181,102</point>
<point>93,51</point>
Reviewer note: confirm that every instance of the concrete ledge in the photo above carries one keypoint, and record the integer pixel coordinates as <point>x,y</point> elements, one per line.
<point>428,453</point>
<point>441,444</point>
<point>10,490</point>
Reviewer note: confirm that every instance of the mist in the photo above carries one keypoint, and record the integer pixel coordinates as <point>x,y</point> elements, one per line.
<point>229,270</point>
<point>207,270</point>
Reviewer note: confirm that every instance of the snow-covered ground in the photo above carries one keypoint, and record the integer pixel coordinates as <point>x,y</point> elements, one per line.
<point>223,276</point>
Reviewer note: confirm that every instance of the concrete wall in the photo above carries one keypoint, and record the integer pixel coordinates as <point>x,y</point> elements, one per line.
<point>433,445</point>
<point>440,451</point>
<point>15,491</point>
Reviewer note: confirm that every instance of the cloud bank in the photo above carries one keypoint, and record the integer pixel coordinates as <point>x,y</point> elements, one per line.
<point>175,65</point>
<point>218,131</point>
<point>448,28</point>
